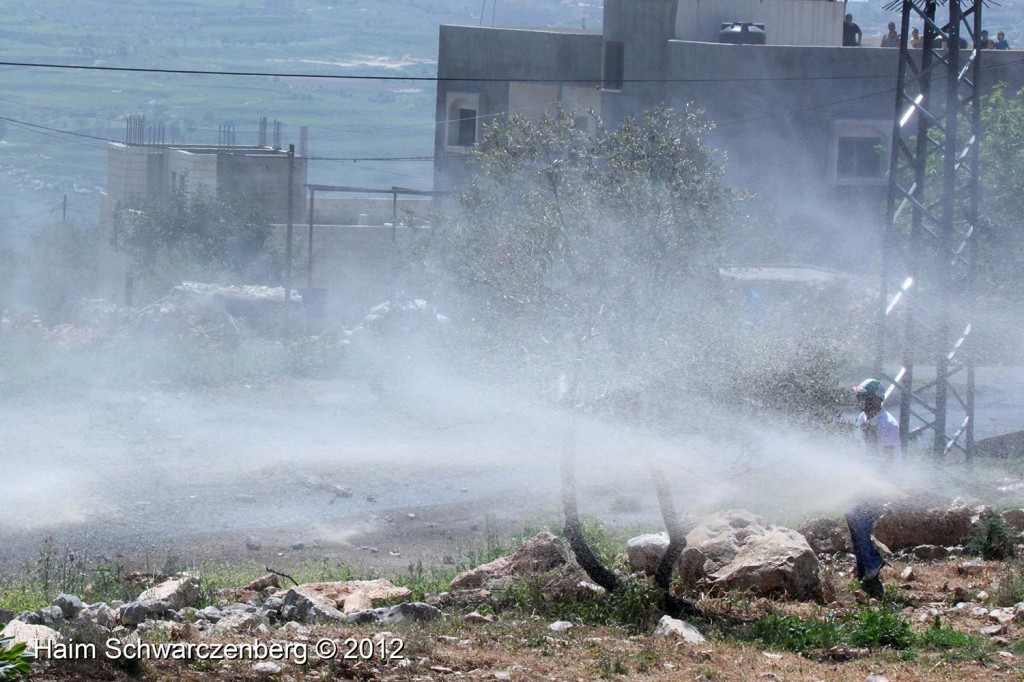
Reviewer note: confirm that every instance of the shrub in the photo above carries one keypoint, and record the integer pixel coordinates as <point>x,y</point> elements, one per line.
<point>991,538</point>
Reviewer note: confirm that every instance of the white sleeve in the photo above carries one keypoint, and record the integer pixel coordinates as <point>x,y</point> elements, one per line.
<point>888,434</point>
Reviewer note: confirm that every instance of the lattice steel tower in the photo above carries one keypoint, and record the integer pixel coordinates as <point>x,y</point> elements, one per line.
<point>930,248</point>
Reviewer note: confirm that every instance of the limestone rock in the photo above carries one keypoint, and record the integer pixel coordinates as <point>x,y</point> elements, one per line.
<point>133,613</point>
<point>351,596</point>
<point>930,552</point>
<point>1014,518</point>
<point>673,627</point>
<point>69,604</point>
<point>904,526</point>
<point>24,633</point>
<point>777,561</point>
<point>237,623</point>
<point>307,606</point>
<point>180,591</point>
<point>101,614</point>
<point>826,536</point>
<point>690,566</point>
<point>541,554</point>
<point>721,535</point>
<point>645,551</point>
<point>418,612</point>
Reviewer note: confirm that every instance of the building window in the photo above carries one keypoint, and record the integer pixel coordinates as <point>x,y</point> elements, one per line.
<point>462,124</point>
<point>614,53</point>
<point>467,127</point>
<point>860,158</point>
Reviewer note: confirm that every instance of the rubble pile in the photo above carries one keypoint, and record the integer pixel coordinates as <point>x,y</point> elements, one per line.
<point>209,314</point>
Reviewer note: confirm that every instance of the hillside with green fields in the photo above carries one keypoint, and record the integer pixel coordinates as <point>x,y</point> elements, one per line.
<point>56,120</point>
<point>367,132</point>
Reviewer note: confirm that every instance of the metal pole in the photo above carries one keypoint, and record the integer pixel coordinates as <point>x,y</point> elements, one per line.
<point>288,234</point>
<point>394,215</point>
<point>309,242</point>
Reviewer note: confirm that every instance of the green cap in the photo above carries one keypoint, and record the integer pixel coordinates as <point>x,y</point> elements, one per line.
<point>870,387</point>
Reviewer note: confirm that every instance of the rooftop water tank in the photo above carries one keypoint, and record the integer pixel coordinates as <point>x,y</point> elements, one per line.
<point>741,33</point>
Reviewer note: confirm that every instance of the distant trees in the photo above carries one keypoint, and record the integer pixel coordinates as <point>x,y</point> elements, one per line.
<point>1002,252</point>
<point>209,238</point>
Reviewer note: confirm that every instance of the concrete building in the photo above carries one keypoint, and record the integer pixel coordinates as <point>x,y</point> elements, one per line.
<point>802,122</point>
<point>137,170</point>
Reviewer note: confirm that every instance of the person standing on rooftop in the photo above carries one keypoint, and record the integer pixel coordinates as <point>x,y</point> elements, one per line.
<point>851,32</point>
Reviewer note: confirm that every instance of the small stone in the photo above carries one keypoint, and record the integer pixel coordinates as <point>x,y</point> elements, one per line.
<point>267,668</point>
<point>502,675</point>
<point>1002,616</point>
<point>993,630</point>
<point>672,627</point>
<point>981,596</point>
<point>476,617</point>
<point>560,626</point>
<point>253,544</point>
<point>971,567</point>
<point>876,678</point>
<point>908,574</point>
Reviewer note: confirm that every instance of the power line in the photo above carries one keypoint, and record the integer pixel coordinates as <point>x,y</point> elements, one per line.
<point>428,79</point>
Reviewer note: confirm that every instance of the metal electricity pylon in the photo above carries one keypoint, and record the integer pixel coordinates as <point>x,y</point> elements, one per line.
<point>930,250</point>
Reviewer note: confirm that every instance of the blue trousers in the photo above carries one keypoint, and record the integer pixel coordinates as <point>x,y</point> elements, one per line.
<point>861,518</point>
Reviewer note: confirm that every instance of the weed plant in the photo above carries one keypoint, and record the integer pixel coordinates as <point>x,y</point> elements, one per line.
<point>873,627</point>
<point>991,538</point>
<point>14,662</point>
<point>1010,590</point>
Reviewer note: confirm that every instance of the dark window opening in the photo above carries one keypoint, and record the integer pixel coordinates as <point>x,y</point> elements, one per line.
<point>861,157</point>
<point>467,127</point>
<point>614,53</point>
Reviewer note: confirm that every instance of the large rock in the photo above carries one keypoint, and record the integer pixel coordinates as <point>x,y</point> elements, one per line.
<point>306,606</point>
<point>904,526</point>
<point>776,562</point>
<point>827,536</point>
<point>355,595</point>
<point>645,551</point>
<point>1014,518</point>
<point>544,552</point>
<point>737,550</point>
<point>69,604</point>
<point>29,635</point>
<point>180,591</point>
<point>720,536</point>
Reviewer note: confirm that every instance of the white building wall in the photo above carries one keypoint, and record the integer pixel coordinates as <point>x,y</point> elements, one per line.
<point>786,22</point>
<point>200,171</point>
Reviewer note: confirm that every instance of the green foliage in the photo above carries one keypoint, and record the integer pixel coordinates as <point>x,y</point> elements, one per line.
<point>635,606</point>
<point>176,237</point>
<point>872,627</point>
<point>1001,256</point>
<point>954,644</point>
<point>588,255</point>
<point>991,539</point>
<point>793,379</point>
<point>1010,590</point>
<point>14,662</point>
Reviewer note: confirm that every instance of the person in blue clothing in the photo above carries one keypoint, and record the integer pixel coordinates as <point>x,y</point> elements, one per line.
<point>879,432</point>
<point>1001,43</point>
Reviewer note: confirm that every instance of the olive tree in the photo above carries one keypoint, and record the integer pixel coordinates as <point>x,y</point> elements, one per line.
<point>589,256</point>
<point>591,260</point>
